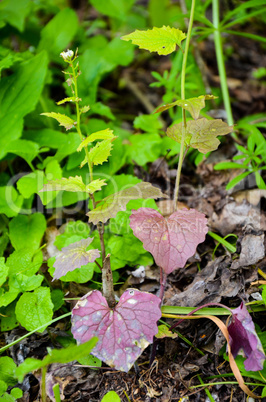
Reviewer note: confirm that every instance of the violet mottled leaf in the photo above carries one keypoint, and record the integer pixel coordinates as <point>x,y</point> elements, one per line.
<point>74,256</point>
<point>243,337</point>
<point>171,241</point>
<point>123,332</point>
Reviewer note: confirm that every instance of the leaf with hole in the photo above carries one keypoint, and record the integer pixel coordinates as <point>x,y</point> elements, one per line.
<point>74,256</point>
<point>200,134</point>
<point>193,105</point>
<point>161,40</point>
<point>123,332</point>
<point>117,202</point>
<point>171,241</point>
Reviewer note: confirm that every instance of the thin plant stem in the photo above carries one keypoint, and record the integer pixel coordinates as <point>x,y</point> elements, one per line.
<point>43,389</point>
<point>184,124</point>
<point>220,61</point>
<point>107,276</point>
<point>163,278</point>
<point>56,390</point>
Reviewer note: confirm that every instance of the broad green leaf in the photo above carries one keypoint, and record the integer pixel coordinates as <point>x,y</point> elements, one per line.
<point>27,150</point>
<point>118,201</point>
<point>62,119</point>
<point>19,94</point>
<point>144,148</point>
<point>46,137</point>
<point>27,231</point>
<point>59,32</point>
<point>100,152</point>
<point>79,275</point>
<point>161,40</point>
<point>90,360</point>
<point>200,134</point>
<point>106,134</point>
<point>35,309</point>
<point>10,201</point>
<point>7,370</point>
<point>70,99</point>
<point>8,297</point>
<point>193,105</point>
<point>3,271</point>
<point>70,145</point>
<point>73,184</point>
<point>3,387</point>
<point>24,283</point>
<point>148,123</point>
<point>14,12</point>
<point>24,261</point>
<point>56,356</point>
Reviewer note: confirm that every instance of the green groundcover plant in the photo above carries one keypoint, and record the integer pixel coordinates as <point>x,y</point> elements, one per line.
<point>115,332</point>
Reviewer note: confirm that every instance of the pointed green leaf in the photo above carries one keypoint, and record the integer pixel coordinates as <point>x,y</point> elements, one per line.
<point>193,105</point>
<point>161,40</point>
<point>106,134</point>
<point>200,134</point>
<point>27,150</point>
<point>84,109</point>
<point>95,185</point>
<point>62,119</point>
<point>100,152</point>
<point>70,99</point>
<point>118,201</point>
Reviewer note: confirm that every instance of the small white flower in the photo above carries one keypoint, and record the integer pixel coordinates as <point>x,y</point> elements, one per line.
<point>67,56</point>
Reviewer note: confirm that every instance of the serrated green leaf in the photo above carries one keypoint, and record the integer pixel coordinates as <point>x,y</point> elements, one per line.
<point>3,271</point>
<point>73,184</point>
<point>118,201</point>
<point>84,109</point>
<point>56,356</point>
<point>200,134</point>
<point>100,152</point>
<point>193,105</point>
<point>19,95</point>
<point>27,231</point>
<point>106,134</point>
<point>70,99</point>
<point>62,119</point>
<point>95,185</point>
<point>35,309</point>
<point>161,40</point>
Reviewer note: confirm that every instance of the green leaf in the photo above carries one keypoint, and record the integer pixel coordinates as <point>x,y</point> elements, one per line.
<point>106,134</point>
<point>113,8</point>
<point>193,105</point>
<point>148,123</point>
<point>161,40</point>
<point>7,370</point>
<point>229,165</point>
<point>100,152</point>
<point>46,137</point>
<point>3,271</point>
<point>111,396</point>
<point>73,184</point>
<point>17,393</point>
<point>70,99</point>
<point>10,201</point>
<point>3,387</point>
<point>56,356</point>
<point>9,319</point>
<point>200,134</point>
<point>8,297</point>
<point>62,119</point>
<point>144,148</point>
<point>14,12</point>
<point>19,94</point>
<point>59,32</point>
<point>90,360</point>
<point>27,231</point>
<point>34,309</point>
<point>163,332</point>
<point>118,201</point>
<point>24,261</point>
<point>263,295</point>
<point>27,150</point>
<point>24,283</point>
<point>236,180</point>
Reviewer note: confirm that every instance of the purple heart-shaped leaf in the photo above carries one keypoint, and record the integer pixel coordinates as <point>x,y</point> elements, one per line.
<point>171,241</point>
<point>123,332</point>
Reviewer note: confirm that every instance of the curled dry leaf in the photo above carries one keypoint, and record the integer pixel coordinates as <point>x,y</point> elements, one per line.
<point>74,256</point>
<point>171,241</point>
<point>243,336</point>
<point>123,332</point>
